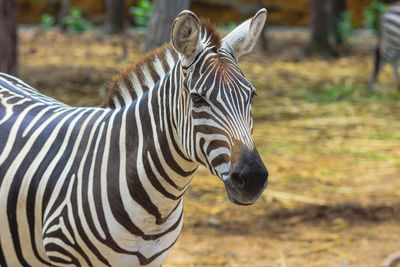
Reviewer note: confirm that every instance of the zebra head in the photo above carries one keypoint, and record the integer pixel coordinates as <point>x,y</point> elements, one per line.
<point>216,123</point>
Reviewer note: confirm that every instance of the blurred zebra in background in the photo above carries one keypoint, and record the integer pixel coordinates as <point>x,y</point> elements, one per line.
<point>388,48</point>
<point>104,186</point>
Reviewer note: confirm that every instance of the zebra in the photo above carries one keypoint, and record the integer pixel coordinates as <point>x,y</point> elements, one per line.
<point>388,47</point>
<point>104,186</point>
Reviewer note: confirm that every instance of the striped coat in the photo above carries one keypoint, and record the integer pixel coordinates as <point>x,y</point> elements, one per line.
<point>388,48</point>
<point>104,186</point>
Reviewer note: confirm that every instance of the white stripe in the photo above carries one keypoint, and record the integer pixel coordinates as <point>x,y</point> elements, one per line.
<point>12,169</point>
<point>23,227</point>
<point>38,116</point>
<point>45,178</point>
<point>126,95</point>
<point>61,226</point>
<point>64,174</point>
<point>148,80</point>
<point>93,211</point>
<point>169,58</point>
<point>116,103</point>
<point>82,218</point>
<point>136,84</point>
<point>158,67</point>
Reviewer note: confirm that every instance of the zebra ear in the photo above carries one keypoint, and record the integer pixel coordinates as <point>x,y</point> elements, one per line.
<point>243,38</point>
<point>186,35</point>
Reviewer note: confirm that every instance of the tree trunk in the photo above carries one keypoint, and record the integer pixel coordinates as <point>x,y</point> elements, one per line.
<point>338,7</point>
<point>63,10</point>
<point>320,27</point>
<point>114,16</point>
<point>8,36</point>
<point>60,10</point>
<point>164,14</point>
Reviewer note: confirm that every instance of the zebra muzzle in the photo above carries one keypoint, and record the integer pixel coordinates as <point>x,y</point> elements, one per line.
<point>248,178</point>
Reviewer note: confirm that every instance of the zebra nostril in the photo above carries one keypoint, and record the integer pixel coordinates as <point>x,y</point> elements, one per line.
<point>237,180</point>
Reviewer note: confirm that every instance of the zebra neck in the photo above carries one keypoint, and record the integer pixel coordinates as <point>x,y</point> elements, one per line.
<point>158,169</point>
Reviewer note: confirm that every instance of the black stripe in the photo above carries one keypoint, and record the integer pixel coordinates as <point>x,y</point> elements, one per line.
<point>2,259</point>
<point>164,144</point>
<point>59,168</point>
<point>61,250</point>
<point>390,21</point>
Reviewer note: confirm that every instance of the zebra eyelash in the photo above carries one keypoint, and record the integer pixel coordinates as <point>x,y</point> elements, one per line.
<point>253,94</point>
<point>197,99</point>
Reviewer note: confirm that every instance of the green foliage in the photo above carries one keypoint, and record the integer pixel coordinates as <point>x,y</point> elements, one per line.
<point>373,13</point>
<point>370,155</point>
<point>47,21</point>
<point>384,136</point>
<point>329,93</point>
<point>142,13</point>
<point>75,22</point>
<point>345,29</point>
<point>326,94</point>
<point>227,27</point>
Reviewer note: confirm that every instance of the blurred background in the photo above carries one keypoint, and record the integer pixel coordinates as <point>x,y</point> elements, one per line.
<point>331,146</point>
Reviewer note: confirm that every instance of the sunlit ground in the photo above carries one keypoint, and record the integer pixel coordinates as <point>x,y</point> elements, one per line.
<point>332,150</point>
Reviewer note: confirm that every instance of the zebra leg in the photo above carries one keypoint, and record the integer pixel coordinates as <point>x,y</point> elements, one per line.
<point>395,65</point>
<point>379,62</point>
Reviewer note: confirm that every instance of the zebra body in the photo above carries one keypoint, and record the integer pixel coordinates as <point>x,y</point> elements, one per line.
<point>104,186</point>
<point>69,147</point>
<point>388,48</point>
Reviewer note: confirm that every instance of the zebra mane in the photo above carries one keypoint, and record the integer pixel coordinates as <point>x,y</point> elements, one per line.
<point>151,67</point>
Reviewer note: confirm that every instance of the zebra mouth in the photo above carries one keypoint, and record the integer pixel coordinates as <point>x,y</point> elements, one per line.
<point>237,194</point>
<point>238,202</point>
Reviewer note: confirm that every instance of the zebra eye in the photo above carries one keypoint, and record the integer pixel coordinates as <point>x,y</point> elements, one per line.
<point>196,98</point>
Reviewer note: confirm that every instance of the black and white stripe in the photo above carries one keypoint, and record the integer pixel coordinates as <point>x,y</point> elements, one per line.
<point>388,48</point>
<point>103,186</point>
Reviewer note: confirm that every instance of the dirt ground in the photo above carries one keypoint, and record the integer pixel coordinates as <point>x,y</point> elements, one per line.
<point>332,150</point>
